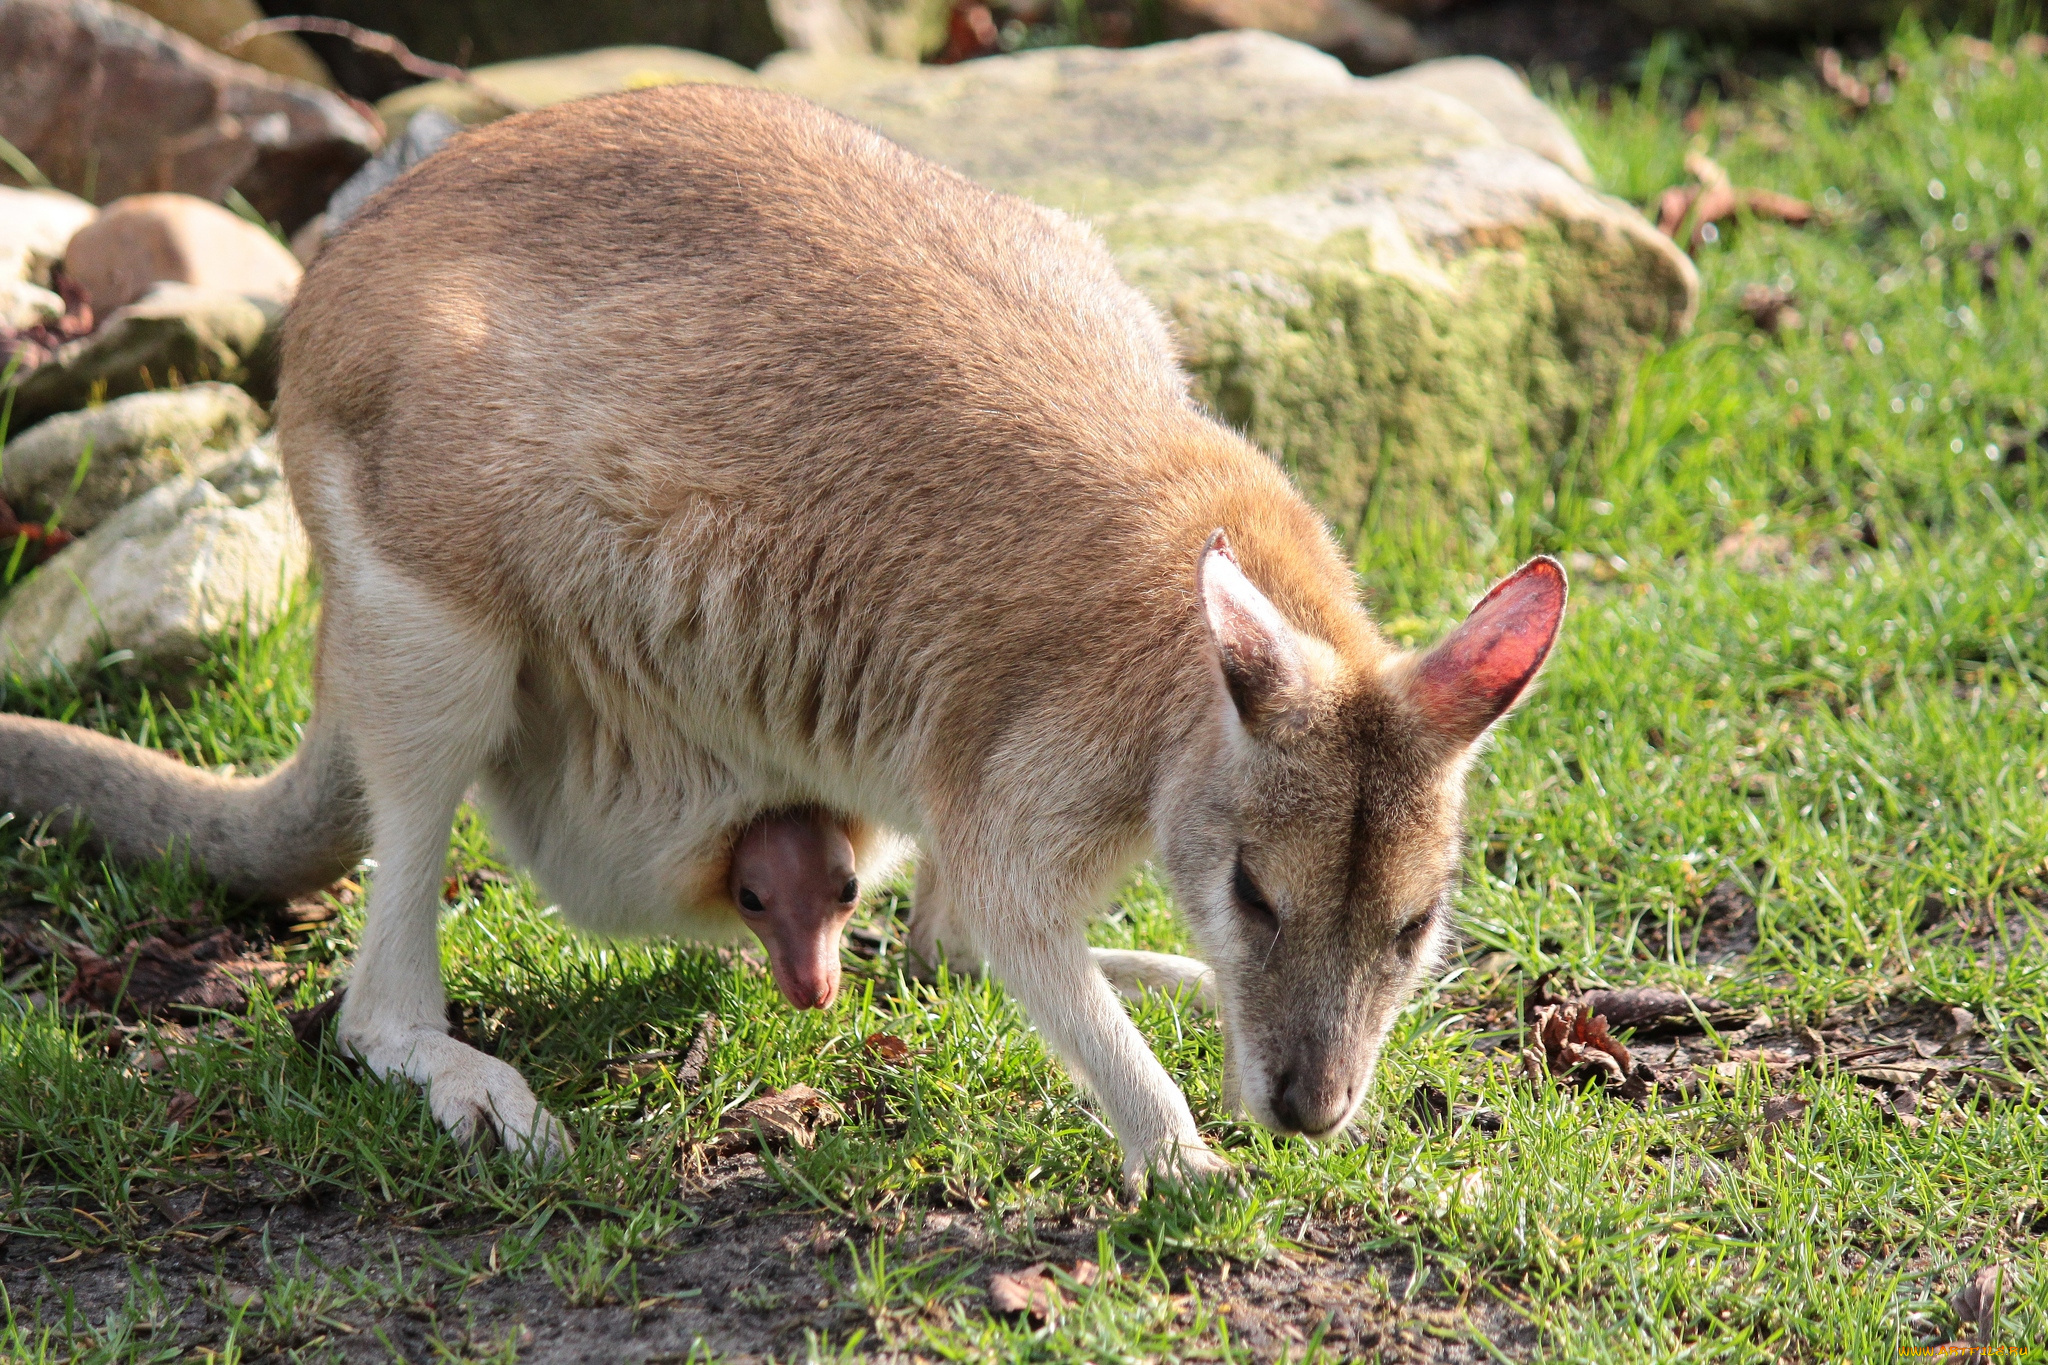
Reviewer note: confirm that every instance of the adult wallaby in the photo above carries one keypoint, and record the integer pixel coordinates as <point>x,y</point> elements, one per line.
<point>679,455</point>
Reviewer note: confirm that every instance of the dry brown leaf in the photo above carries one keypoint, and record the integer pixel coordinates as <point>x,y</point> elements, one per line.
<point>1979,1302</point>
<point>1708,203</point>
<point>692,1069</point>
<point>1840,79</point>
<point>793,1115</point>
<point>1030,1291</point>
<point>156,976</point>
<point>1783,1109</point>
<point>183,1105</point>
<point>887,1047</point>
<point>1898,1102</point>
<point>1652,1009</point>
<point>1771,309</point>
<point>1570,1040</point>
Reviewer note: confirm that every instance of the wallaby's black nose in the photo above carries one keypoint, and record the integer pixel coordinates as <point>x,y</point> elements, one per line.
<point>1304,1102</point>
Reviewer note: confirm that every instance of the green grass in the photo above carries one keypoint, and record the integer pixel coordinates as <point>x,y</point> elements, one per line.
<point>1848,718</point>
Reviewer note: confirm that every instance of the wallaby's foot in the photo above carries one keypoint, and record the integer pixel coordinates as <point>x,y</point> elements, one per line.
<point>471,1095</point>
<point>1187,1163</point>
<point>1133,973</point>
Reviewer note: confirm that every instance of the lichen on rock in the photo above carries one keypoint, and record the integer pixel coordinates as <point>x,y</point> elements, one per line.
<point>79,468</point>
<point>193,557</point>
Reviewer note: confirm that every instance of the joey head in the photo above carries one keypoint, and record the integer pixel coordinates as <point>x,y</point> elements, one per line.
<point>794,881</point>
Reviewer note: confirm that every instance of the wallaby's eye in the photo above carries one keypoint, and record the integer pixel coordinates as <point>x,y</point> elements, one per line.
<point>750,901</point>
<point>1250,899</point>
<point>850,892</point>
<point>1417,929</point>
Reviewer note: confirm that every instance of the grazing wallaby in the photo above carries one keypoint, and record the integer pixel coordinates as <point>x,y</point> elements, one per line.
<point>675,456</point>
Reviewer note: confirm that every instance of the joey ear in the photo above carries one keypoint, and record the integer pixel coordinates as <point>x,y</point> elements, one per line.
<point>1480,670</point>
<point>1258,655</point>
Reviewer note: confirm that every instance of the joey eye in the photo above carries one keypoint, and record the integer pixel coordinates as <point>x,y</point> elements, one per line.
<point>750,901</point>
<point>850,892</point>
<point>1250,899</point>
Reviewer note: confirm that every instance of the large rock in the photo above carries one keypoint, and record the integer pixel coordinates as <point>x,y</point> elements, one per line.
<point>193,557</point>
<point>423,134</point>
<point>148,239</point>
<point>35,226</point>
<point>213,21</point>
<point>103,98</point>
<point>1362,35</point>
<point>173,335</point>
<point>1368,276</point>
<point>906,30</point>
<point>82,467</point>
<point>24,305</point>
<point>506,87</point>
<point>1498,95</point>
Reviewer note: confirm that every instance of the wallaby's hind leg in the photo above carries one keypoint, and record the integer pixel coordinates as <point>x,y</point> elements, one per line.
<point>1133,973</point>
<point>936,933</point>
<point>428,697</point>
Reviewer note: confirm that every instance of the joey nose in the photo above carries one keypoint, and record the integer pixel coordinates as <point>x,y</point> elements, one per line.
<point>811,986</point>
<point>1305,1101</point>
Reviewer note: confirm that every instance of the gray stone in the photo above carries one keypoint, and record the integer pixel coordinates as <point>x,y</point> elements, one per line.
<point>173,335</point>
<point>161,578</point>
<point>1366,275</point>
<point>422,136</point>
<point>102,97</point>
<point>134,443</point>
<point>1365,37</point>
<point>1502,98</point>
<point>24,305</point>
<point>35,225</point>
<point>906,30</point>
<point>494,91</point>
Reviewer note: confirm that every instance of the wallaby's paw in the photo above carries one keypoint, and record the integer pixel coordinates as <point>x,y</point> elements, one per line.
<point>1189,1164</point>
<point>473,1096</point>
<point>482,1096</point>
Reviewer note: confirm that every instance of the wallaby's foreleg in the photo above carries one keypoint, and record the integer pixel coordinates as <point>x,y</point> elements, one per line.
<point>434,698</point>
<point>293,830</point>
<point>1033,938</point>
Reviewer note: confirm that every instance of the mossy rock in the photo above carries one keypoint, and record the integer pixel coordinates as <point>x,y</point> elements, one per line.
<point>173,335</point>
<point>1399,300</point>
<point>507,87</point>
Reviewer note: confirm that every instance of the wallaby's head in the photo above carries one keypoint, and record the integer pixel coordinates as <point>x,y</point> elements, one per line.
<point>794,882</point>
<point>1313,836</point>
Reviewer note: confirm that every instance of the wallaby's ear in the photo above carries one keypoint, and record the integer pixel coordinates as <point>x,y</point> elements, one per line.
<point>1257,652</point>
<point>1480,670</point>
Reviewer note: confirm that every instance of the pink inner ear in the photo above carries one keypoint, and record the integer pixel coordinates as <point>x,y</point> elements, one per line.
<point>1254,645</point>
<point>1482,668</point>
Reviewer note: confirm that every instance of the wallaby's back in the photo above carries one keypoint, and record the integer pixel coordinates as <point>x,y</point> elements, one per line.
<point>710,365</point>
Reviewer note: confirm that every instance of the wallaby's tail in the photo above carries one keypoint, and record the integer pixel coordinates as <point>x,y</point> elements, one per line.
<point>291,831</point>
